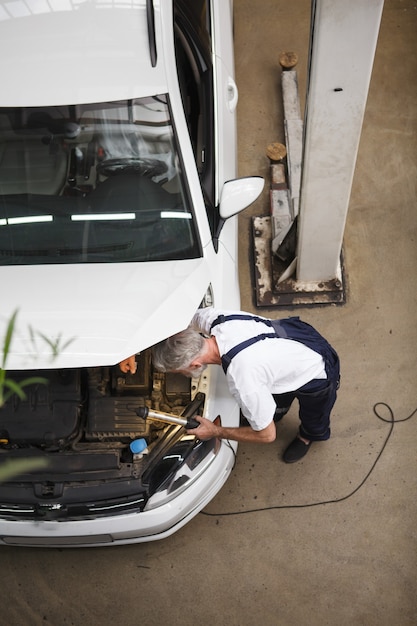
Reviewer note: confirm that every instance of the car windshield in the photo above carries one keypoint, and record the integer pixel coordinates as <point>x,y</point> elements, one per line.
<point>94,183</point>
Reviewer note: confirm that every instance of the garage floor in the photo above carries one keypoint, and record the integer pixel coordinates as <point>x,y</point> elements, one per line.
<point>330,540</point>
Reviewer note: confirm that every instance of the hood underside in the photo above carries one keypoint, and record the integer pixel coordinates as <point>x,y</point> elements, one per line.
<point>98,314</point>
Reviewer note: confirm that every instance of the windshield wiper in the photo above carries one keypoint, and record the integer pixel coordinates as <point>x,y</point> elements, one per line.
<point>61,252</point>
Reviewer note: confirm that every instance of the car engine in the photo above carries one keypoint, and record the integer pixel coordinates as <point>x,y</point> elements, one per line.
<point>84,407</point>
<point>81,422</point>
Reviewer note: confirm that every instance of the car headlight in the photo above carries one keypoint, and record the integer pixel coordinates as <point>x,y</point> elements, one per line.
<point>208,299</point>
<point>181,465</point>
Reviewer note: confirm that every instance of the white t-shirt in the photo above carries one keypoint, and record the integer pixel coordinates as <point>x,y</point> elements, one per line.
<point>271,366</point>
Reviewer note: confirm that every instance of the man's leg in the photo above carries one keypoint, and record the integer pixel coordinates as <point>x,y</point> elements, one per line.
<point>283,402</point>
<point>316,400</point>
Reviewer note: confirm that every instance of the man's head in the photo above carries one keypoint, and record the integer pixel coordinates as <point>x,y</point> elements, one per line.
<point>180,353</point>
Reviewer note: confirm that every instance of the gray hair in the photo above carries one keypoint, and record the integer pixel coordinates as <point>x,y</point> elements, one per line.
<point>177,352</point>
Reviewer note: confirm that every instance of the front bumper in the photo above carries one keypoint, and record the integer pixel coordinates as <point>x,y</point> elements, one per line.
<point>152,525</point>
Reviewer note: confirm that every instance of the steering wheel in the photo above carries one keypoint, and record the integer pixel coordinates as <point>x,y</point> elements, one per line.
<point>136,165</point>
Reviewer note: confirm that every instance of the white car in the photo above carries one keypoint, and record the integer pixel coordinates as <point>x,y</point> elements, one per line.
<point>118,204</point>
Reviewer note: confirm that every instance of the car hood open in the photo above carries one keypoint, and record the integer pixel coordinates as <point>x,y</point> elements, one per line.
<point>75,308</point>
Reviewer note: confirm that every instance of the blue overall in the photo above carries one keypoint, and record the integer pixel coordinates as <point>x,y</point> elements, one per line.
<point>317,397</point>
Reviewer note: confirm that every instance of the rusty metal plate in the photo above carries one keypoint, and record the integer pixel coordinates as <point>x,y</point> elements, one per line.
<point>274,289</point>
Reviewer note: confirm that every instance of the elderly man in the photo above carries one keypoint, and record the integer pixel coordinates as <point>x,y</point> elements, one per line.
<point>268,363</point>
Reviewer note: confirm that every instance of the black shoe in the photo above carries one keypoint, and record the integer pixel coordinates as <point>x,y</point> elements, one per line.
<point>296,450</point>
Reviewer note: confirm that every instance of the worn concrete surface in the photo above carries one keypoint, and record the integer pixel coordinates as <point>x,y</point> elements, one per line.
<point>352,561</point>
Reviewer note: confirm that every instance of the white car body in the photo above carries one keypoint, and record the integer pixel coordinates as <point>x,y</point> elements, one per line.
<point>82,52</point>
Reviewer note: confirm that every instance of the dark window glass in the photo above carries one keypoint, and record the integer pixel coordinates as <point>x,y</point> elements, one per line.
<point>195,71</point>
<point>93,183</point>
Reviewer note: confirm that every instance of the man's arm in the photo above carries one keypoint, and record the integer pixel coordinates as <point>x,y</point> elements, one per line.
<point>208,430</point>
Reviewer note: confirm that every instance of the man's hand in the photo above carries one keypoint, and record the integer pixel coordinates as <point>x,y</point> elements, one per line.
<point>128,365</point>
<point>206,430</point>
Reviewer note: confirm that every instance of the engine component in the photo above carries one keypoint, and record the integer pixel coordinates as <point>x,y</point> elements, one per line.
<point>146,413</point>
<point>50,414</point>
<point>114,418</point>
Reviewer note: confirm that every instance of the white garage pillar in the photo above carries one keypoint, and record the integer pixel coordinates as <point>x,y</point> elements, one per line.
<point>343,40</point>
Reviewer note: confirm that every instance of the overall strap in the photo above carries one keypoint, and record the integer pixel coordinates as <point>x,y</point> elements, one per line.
<point>227,358</point>
<point>279,331</point>
<point>288,328</point>
<point>239,316</point>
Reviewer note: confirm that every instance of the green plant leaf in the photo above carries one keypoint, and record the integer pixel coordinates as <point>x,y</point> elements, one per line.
<point>9,387</point>
<point>55,346</point>
<point>14,467</point>
<point>17,388</point>
<point>34,380</point>
<point>8,338</point>
<point>13,388</point>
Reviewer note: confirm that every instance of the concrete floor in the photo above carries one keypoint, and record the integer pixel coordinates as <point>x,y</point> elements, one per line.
<point>295,562</point>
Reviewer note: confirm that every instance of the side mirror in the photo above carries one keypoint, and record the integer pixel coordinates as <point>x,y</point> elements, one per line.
<point>238,194</point>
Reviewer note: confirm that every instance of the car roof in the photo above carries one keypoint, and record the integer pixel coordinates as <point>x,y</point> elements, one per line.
<point>82,51</point>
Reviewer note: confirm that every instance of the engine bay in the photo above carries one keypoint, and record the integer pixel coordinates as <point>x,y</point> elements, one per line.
<point>82,422</point>
<point>90,407</point>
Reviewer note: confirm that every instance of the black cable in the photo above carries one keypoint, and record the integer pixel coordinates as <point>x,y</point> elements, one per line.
<point>390,421</point>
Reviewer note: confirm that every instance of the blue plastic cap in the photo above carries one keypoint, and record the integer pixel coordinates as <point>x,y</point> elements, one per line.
<point>138,446</point>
